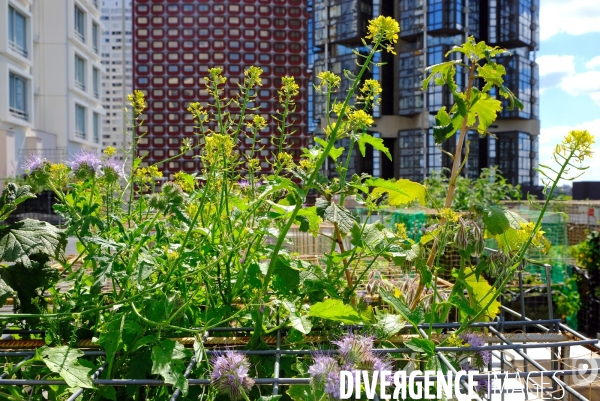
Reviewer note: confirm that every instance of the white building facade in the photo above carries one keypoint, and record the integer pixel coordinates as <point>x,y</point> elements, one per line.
<point>117,62</point>
<point>50,66</point>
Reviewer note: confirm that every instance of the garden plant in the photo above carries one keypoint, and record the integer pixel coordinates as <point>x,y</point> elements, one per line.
<point>157,263</point>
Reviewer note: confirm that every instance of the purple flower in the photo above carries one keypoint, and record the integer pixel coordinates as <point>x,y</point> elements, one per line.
<point>32,163</point>
<point>475,340</point>
<point>322,366</point>
<point>85,163</point>
<point>332,385</point>
<point>230,374</point>
<point>355,349</point>
<point>112,168</point>
<point>243,184</point>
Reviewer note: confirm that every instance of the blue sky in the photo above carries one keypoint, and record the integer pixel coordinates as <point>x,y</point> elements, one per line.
<point>569,60</point>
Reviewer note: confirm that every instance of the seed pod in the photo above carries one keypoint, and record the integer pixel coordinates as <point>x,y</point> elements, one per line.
<point>461,239</point>
<point>478,241</point>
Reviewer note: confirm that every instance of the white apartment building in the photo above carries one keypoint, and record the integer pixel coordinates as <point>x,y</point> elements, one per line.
<point>117,62</point>
<point>50,80</point>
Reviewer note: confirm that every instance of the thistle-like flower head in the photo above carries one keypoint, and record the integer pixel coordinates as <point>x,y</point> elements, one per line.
<point>112,169</point>
<point>322,366</point>
<point>230,374</point>
<point>33,163</point>
<point>85,164</point>
<point>475,340</point>
<point>354,349</point>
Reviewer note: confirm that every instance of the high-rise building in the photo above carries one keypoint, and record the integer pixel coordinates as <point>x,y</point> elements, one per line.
<point>50,67</point>
<point>177,41</point>
<point>429,28</point>
<point>118,70</point>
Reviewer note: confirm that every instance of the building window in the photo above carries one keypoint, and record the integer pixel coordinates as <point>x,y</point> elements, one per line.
<point>17,31</point>
<point>79,73</point>
<point>79,23</point>
<point>95,37</point>
<point>18,96</point>
<point>96,127</point>
<point>80,122</point>
<point>96,82</point>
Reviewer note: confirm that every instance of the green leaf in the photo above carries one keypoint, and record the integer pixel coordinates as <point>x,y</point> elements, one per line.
<point>492,74</point>
<point>437,69</point>
<point>270,397</point>
<point>341,216</point>
<point>309,220</point>
<point>286,279</point>
<point>377,144</point>
<point>414,317</point>
<point>297,321</point>
<point>167,361</point>
<point>301,392</point>
<point>423,345</point>
<point>480,294</point>
<point>400,192</point>
<point>29,237</point>
<point>11,197</point>
<point>388,324</point>
<point>495,220</point>
<point>486,109</point>
<point>369,237</point>
<point>334,153</point>
<point>5,291</point>
<point>63,360</point>
<point>446,125</point>
<point>335,309</point>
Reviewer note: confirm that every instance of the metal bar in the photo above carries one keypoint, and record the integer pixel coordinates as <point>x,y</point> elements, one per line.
<point>534,322</point>
<point>542,370</point>
<point>277,361</point>
<point>17,366</point>
<point>524,327</point>
<point>77,393</point>
<point>186,374</point>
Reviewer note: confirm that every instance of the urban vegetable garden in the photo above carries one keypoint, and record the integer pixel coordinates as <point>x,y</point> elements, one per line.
<point>191,290</point>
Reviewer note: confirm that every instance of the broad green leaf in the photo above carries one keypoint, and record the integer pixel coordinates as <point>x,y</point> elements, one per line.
<point>28,282</point>
<point>377,144</point>
<point>495,220</point>
<point>486,109</point>
<point>63,360</point>
<point>297,321</point>
<point>334,153</point>
<point>492,73</point>
<point>335,309</point>
<point>341,216</point>
<point>400,192</point>
<point>437,69</point>
<point>167,361</point>
<point>5,292</point>
<point>421,345</point>
<point>369,237</point>
<point>302,392</point>
<point>480,294</point>
<point>414,317</point>
<point>20,240</point>
<point>388,324</point>
<point>309,220</point>
<point>286,278</point>
<point>11,197</point>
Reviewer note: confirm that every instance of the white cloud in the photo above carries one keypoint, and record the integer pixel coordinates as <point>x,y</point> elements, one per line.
<point>593,63</point>
<point>551,136</point>
<point>559,71</point>
<point>574,17</point>
<point>554,69</point>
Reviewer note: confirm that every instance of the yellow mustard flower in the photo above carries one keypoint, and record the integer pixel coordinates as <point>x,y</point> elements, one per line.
<point>577,142</point>
<point>137,101</point>
<point>384,29</point>
<point>328,79</point>
<point>449,215</point>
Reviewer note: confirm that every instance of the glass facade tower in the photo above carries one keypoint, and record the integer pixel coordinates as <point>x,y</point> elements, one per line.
<point>429,28</point>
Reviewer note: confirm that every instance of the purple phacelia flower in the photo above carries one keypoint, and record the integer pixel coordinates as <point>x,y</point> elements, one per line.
<point>32,163</point>
<point>85,163</point>
<point>475,340</point>
<point>230,375</point>
<point>322,366</point>
<point>332,385</point>
<point>112,169</point>
<point>243,184</point>
<point>355,349</point>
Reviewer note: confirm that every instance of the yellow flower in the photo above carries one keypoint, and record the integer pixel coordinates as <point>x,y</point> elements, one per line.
<point>257,122</point>
<point>307,165</point>
<point>359,120</point>
<point>215,75</point>
<point>200,115</point>
<point>384,29</point>
<point>449,215</point>
<point>109,151</point>
<point>579,143</point>
<point>253,164</point>
<point>284,159</point>
<point>289,89</point>
<point>401,230</point>
<point>217,147</point>
<point>253,76</point>
<point>370,89</point>
<point>137,101</point>
<point>328,79</point>
<point>183,180</point>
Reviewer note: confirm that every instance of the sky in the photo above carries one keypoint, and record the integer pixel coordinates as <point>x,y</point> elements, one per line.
<point>569,65</point>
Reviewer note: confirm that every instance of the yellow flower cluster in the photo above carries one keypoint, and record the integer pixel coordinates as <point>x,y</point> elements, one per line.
<point>59,175</point>
<point>401,231</point>
<point>182,180</point>
<point>137,101</point>
<point>284,160</point>
<point>289,89</point>
<point>109,151</point>
<point>449,215</point>
<point>253,164</point>
<point>253,76</point>
<point>146,175</point>
<point>384,29</point>
<point>329,80</point>
<point>215,75</point>
<point>217,147</point>
<point>200,115</point>
<point>258,122</point>
<point>307,165</point>
<point>370,89</point>
<point>359,120</point>
<point>577,142</point>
